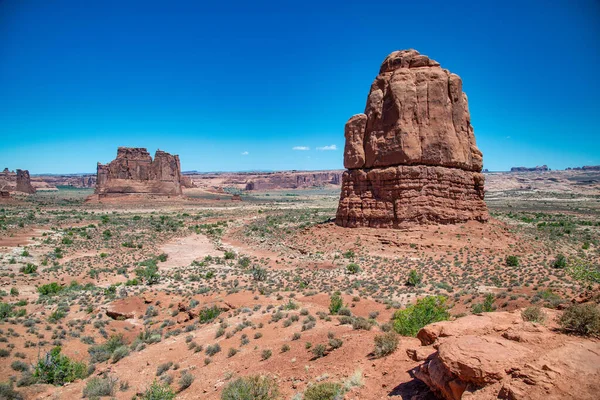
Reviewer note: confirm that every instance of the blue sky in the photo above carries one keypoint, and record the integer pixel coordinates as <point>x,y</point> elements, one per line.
<point>237,85</point>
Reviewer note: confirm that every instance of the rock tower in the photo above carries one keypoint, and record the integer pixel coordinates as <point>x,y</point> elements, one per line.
<point>411,158</point>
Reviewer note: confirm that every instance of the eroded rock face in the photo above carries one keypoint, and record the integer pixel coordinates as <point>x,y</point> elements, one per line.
<point>24,182</point>
<point>412,157</point>
<point>134,171</point>
<point>498,355</point>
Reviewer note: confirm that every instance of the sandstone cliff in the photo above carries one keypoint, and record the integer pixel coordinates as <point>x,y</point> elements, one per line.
<point>412,157</point>
<point>134,171</point>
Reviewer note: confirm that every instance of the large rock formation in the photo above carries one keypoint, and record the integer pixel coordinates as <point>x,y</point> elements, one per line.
<point>411,157</point>
<point>134,171</point>
<point>24,182</point>
<point>293,180</point>
<point>499,356</point>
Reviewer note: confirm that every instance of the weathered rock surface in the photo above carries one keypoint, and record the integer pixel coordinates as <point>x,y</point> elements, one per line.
<point>498,355</point>
<point>412,156</point>
<point>134,171</point>
<point>24,182</point>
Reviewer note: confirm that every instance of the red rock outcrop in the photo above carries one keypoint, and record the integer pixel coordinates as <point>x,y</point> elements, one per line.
<point>24,182</point>
<point>412,157</point>
<point>293,180</point>
<point>134,172</point>
<point>498,355</point>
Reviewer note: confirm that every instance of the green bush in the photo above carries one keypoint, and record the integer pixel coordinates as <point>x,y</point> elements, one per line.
<point>324,391</point>
<point>229,255</point>
<point>385,344</point>
<point>159,391</point>
<point>560,261</point>
<point>427,310</point>
<point>414,278</point>
<point>208,314</point>
<point>255,387</point>
<point>512,261</point>
<point>6,311</point>
<point>582,319</point>
<point>533,314</point>
<point>98,387</point>
<point>353,268</point>
<point>50,289</point>
<point>148,272</point>
<point>29,269</point>
<point>58,369</point>
<point>336,303</point>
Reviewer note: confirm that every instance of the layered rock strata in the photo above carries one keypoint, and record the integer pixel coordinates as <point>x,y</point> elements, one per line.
<point>412,157</point>
<point>134,172</point>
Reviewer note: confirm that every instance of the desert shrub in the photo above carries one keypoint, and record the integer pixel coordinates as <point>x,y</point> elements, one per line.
<point>533,314</point>
<point>336,303</point>
<point>512,261</point>
<point>560,261</point>
<point>164,367</point>
<point>19,366</point>
<point>50,289</point>
<point>208,314</point>
<point>120,353</point>
<point>361,323</point>
<point>213,349</point>
<point>229,255</point>
<point>386,344</point>
<point>6,311</point>
<point>98,387</point>
<point>185,381</point>
<point>103,352</point>
<point>324,391</point>
<point>58,369</point>
<point>259,274</point>
<point>148,272</point>
<point>427,310</point>
<point>414,278</point>
<point>257,387</point>
<point>319,350</point>
<point>158,391</point>
<point>29,269</point>
<point>266,354</point>
<point>582,319</point>
<point>353,268</point>
<point>8,393</point>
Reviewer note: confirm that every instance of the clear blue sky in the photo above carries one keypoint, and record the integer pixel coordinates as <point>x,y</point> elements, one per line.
<point>236,85</point>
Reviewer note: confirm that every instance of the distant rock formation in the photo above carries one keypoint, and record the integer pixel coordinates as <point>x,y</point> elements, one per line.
<point>187,182</point>
<point>412,157</point>
<point>293,180</point>
<point>134,172</point>
<point>538,168</point>
<point>24,182</point>
<point>585,168</point>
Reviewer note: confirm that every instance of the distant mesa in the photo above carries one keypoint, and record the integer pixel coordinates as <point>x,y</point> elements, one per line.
<point>411,158</point>
<point>585,168</point>
<point>293,180</point>
<point>134,172</point>
<point>538,168</point>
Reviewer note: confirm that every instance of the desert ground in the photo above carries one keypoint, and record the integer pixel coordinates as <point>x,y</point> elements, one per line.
<point>187,294</point>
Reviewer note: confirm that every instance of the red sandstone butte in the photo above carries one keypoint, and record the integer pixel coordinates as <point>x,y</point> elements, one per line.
<point>134,172</point>
<point>411,158</point>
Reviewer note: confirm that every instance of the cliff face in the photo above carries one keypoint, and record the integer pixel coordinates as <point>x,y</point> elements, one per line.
<point>293,180</point>
<point>412,156</point>
<point>134,171</point>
